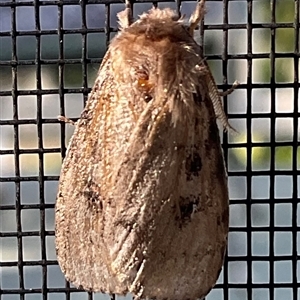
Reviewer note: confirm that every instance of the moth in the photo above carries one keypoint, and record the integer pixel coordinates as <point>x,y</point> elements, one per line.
<point>142,204</point>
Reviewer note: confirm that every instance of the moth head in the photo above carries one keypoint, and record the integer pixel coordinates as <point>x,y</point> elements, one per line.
<point>157,58</point>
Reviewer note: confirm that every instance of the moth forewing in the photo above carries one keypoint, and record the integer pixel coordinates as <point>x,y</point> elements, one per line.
<point>142,205</point>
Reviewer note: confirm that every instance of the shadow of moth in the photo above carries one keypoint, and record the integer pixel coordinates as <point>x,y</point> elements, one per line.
<point>142,205</point>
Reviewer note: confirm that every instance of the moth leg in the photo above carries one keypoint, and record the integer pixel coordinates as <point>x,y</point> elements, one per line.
<point>112,297</point>
<point>125,16</point>
<point>65,120</point>
<point>197,16</point>
<point>228,92</point>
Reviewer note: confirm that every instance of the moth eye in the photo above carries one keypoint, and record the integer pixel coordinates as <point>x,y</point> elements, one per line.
<point>147,98</point>
<point>145,86</point>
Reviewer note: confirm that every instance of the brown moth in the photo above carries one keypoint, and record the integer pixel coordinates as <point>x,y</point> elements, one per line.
<point>142,205</point>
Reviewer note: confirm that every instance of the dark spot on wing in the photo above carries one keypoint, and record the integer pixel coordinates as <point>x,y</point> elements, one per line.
<point>188,206</point>
<point>193,165</point>
<point>93,197</point>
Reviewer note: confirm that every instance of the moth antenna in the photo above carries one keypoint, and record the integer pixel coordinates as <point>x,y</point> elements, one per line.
<point>125,16</point>
<point>197,16</point>
<point>228,92</point>
<point>215,95</point>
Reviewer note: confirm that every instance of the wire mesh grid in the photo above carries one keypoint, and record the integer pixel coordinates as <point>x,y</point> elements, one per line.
<point>50,52</point>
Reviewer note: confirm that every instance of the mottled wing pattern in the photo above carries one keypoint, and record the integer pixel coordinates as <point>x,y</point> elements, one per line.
<point>167,210</point>
<point>81,196</point>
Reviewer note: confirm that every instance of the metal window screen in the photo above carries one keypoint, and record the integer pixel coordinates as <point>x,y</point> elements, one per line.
<point>49,55</point>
